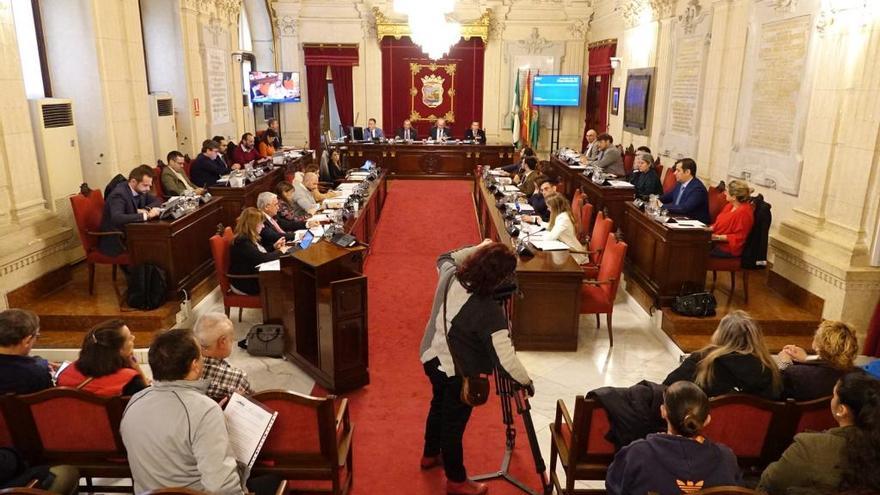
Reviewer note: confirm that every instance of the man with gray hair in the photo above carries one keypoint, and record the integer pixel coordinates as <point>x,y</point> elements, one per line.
<point>591,150</point>
<point>267,203</point>
<point>304,202</point>
<point>215,334</point>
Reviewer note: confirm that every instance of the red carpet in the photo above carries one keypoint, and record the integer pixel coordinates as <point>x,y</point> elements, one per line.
<point>421,220</point>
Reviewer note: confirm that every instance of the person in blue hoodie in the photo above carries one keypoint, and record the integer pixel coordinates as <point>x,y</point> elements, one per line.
<point>679,461</point>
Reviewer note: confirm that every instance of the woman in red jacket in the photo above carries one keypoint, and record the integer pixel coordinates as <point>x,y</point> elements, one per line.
<point>733,224</point>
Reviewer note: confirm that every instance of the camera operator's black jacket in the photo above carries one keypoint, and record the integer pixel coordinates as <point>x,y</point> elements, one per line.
<point>477,328</point>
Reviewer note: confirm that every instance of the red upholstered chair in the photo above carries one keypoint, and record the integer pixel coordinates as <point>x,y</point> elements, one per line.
<point>597,296</point>
<point>658,167</point>
<point>220,251</point>
<point>814,415</point>
<point>629,160</point>
<point>598,239</point>
<point>282,489</point>
<point>576,206</point>
<point>732,265</point>
<point>157,182</point>
<point>746,424</point>
<point>717,200</point>
<point>187,165</point>
<point>69,426</point>
<point>586,219</point>
<point>5,434</point>
<point>87,211</point>
<point>311,440</point>
<point>579,444</point>
<point>669,180</point>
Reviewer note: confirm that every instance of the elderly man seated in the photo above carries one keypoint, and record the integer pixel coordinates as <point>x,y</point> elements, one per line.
<point>304,202</point>
<point>268,204</point>
<point>215,333</point>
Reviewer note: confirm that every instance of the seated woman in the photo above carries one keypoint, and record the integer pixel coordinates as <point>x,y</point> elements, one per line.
<point>736,360</point>
<point>266,144</point>
<point>247,252</point>
<point>286,217</point>
<point>668,463</point>
<point>806,378</point>
<point>334,170</point>
<point>645,178</point>
<point>106,364</point>
<point>561,225</point>
<point>842,458</point>
<point>733,224</point>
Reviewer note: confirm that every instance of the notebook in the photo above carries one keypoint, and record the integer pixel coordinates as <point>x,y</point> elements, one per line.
<point>248,423</point>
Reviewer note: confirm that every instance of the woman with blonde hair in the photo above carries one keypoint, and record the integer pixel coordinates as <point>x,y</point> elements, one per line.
<point>247,252</point>
<point>812,377</point>
<point>733,224</point>
<point>736,360</point>
<point>560,227</point>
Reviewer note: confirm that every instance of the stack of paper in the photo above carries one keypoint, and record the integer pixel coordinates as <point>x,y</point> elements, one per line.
<point>620,183</point>
<point>248,423</point>
<point>334,203</point>
<point>549,245</point>
<point>686,224</point>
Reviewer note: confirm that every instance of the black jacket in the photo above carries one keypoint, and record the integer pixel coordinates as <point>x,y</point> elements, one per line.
<point>733,372</point>
<point>540,205</point>
<point>23,374</point>
<point>647,183</point>
<point>205,172</point>
<point>810,380</point>
<point>334,172</point>
<point>269,236</point>
<point>244,256</point>
<point>121,208</point>
<point>479,138</point>
<point>413,133</point>
<point>754,253</point>
<point>634,411</point>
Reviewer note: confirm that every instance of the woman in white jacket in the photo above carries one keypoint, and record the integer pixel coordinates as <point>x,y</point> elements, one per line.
<point>561,226</point>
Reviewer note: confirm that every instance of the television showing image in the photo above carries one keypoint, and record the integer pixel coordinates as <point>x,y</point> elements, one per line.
<point>556,91</point>
<point>637,102</point>
<point>275,87</point>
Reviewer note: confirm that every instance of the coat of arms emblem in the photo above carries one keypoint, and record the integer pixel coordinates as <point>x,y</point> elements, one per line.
<point>432,91</point>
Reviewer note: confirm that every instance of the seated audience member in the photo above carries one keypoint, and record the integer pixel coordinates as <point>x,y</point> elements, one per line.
<point>174,434</point>
<point>334,170</point>
<point>736,360</point>
<point>475,134</point>
<point>734,222</point>
<point>842,458</point>
<point>373,132</point>
<point>128,202</point>
<point>285,217</point>
<point>106,364</point>
<point>247,251</point>
<point>244,151</point>
<point>681,458</point>
<point>538,200</point>
<point>591,151</point>
<point>609,159</point>
<point>273,125</point>
<point>561,225</point>
<point>812,377</point>
<point>304,202</point>
<point>319,196</point>
<point>528,179</point>
<point>689,197</point>
<point>266,147</point>
<point>407,132</point>
<point>216,334</point>
<point>645,178</point>
<point>209,166</point>
<point>440,132</point>
<point>15,473</point>
<point>21,373</point>
<point>643,149</point>
<point>174,179</point>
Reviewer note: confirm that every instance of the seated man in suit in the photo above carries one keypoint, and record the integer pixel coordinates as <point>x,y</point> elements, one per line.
<point>515,168</point>
<point>591,151</point>
<point>407,132</point>
<point>689,196</point>
<point>304,202</point>
<point>440,132</point>
<point>128,202</point>
<point>209,165</point>
<point>245,152</point>
<point>528,180</point>
<point>372,132</point>
<point>269,205</point>
<point>610,160</point>
<point>475,134</point>
<point>538,200</point>
<point>174,179</point>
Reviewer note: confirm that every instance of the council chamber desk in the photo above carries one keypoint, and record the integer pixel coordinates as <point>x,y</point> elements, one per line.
<point>419,160</point>
<point>546,317</point>
<point>235,199</point>
<point>602,197</point>
<point>180,247</point>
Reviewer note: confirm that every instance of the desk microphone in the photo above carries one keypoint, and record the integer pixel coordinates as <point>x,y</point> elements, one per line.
<point>522,249</point>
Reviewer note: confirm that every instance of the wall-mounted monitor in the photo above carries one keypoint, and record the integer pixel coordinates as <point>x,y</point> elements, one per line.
<point>275,87</point>
<point>556,91</point>
<point>638,100</point>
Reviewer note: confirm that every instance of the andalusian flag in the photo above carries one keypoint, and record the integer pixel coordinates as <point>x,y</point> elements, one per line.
<point>526,106</point>
<point>534,126</point>
<point>514,113</point>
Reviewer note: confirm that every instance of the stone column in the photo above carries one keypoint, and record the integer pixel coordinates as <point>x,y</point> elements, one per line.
<point>575,61</point>
<point>294,117</point>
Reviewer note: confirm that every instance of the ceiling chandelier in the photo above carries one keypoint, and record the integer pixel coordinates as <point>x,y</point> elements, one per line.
<point>430,29</point>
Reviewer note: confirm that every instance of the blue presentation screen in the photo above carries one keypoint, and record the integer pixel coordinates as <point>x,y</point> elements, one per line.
<point>556,91</point>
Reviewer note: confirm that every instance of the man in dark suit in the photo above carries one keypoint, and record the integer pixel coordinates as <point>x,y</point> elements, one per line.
<point>128,202</point>
<point>689,196</point>
<point>440,132</point>
<point>208,166</point>
<point>267,203</point>
<point>372,132</point>
<point>528,180</point>
<point>475,134</point>
<point>273,124</point>
<point>407,132</point>
<point>538,200</point>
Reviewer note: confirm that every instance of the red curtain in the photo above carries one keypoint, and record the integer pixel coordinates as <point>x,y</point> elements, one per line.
<point>342,88</point>
<point>316,79</point>
<point>600,65</point>
<point>331,55</point>
<point>421,89</point>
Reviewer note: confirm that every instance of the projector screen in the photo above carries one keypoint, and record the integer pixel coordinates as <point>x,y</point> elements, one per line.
<point>275,87</point>
<point>557,91</point>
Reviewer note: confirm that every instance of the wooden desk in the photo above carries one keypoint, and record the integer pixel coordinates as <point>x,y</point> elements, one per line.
<point>180,247</point>
<point>546,317</point>
<point>427,161</point>
<point>235,199</point>
<point>363,224</point>
<point>660,259</point>
<point>602,197</point>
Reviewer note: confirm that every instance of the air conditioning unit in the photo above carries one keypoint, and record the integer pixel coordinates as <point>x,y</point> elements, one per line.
<point>162,119</point>
<point>57,153</point>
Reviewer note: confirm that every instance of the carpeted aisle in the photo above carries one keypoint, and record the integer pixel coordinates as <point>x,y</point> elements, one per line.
<point>421,220</point>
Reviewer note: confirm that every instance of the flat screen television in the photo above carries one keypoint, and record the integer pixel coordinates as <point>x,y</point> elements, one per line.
<point>556,90</point>
<point>637,102</point>
<point>275,87</point>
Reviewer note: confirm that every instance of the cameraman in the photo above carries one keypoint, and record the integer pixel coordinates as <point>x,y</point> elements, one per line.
<point>476,325</point>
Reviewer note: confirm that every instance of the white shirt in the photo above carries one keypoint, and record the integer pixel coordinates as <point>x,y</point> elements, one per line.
<point>563,231</point>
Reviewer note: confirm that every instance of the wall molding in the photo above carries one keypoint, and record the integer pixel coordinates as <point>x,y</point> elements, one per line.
<point>826,276</point>
<point>25,261</point>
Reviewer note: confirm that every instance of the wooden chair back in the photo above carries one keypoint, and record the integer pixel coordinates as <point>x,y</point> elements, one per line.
<point>585,221</point>
<point>611,266</point>
<point>748,425</point>
<point>669,180</point>
<point>579,443</point>
<point>220,245</point>
<point>814,415</point>
<point>601,229</point>
<point>157,182</point>
<point>87,212</point>
<point>717,200</point>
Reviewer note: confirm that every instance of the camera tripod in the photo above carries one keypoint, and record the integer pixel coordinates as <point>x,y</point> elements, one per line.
<point>512,394</point>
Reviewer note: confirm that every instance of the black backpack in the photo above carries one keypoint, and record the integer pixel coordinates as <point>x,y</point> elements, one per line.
<point>146,286</point>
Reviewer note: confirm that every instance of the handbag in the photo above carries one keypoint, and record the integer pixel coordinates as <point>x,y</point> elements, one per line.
<point>266,340</point>
<point>696,304</point>
<point>474,389</point>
